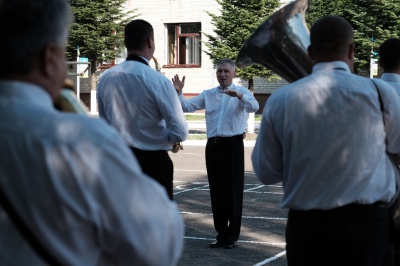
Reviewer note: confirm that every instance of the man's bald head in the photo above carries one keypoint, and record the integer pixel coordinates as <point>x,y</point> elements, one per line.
<point>331,38</point>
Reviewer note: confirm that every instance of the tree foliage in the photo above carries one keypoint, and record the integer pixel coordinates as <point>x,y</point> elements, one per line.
<point>97,29</point>
<point>237,20</point>
<point>373,22</point>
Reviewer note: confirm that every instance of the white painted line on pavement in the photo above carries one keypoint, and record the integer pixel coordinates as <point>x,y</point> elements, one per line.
<point>195,213</point>
<point>265,218</point>
<point>244,217</point>
<point>239,241</point>
<point>271,259</point>
<point>191,189</point>
<point>258,192</point>
<point>247,190</point>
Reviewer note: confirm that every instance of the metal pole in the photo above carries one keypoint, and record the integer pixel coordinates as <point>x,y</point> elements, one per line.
<point>78,86</point>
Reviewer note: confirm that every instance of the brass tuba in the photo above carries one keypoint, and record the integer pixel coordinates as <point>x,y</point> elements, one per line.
<point>68,100</point>
<point>280,43</point>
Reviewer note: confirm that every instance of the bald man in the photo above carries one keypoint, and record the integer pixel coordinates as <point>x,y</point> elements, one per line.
<point>324,138</point>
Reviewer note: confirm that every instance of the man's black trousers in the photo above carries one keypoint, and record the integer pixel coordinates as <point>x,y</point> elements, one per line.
<point>158,165</point>
<point>225,170</point>
<point>351,235</point>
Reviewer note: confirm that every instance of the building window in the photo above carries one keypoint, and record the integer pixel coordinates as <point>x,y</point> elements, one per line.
<point>184,45</point>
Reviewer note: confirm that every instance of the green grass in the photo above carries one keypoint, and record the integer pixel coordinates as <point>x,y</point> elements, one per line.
<point>199,117</point>
<point>197,137</point>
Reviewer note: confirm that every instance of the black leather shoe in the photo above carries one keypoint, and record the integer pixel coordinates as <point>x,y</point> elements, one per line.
<point>216,244</point>
<point>230,245</point>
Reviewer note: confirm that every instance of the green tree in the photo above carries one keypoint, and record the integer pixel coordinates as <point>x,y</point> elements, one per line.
<point>373,22</point>
<point>97,30</point>
<point>238,19</point>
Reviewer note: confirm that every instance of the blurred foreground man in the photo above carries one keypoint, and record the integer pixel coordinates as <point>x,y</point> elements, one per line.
<point>324,137</point>
<point>68,182</point>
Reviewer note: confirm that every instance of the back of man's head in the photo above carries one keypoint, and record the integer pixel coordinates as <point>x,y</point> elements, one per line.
<point>137,32</point>
<point>330,38</point>
<point>389,55</point>
<point>26,27</point>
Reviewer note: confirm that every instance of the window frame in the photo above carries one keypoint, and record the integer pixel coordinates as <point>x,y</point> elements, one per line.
<point>177,48</point>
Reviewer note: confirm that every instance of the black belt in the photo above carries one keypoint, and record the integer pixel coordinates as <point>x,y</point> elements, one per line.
<point>139,151</point>
<point>225,139</point>
<point>349,207</point>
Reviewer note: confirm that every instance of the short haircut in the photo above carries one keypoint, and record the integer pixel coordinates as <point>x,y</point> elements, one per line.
<point>137,33</point>
<point>331,35</point>
<point>389,54</point>
<point>226,61</point>
<point>26,27</point>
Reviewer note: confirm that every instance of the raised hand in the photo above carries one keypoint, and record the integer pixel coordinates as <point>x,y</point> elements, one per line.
<point>178,84</point>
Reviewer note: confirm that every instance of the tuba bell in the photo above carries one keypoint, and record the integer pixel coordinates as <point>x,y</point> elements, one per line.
<point>280,43</point>
<point>68,100</point>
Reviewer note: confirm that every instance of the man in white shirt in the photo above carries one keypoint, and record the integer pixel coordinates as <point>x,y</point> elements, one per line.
<point>71,179</point>
<point>389,60</point>
<point>226,111</point>
<point>142,104</point>
<point>325,139</point>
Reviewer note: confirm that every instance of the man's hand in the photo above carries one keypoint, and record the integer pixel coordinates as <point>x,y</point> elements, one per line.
<point>233,93</point>
<point>178,84</point>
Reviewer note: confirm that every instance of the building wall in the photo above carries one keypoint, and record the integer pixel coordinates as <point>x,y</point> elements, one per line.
<point>159,12</point>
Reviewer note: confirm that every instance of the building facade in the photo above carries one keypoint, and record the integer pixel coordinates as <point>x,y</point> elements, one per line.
<point>179,31</point>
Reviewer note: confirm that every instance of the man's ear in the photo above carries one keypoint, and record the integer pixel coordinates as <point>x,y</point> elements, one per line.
<point>150,42</point>
<point>351,50</point>
<point>49,59</point>
<point>52,68</point>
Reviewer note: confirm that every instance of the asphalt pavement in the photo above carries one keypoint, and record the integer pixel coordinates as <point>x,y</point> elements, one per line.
<point>262,239</point>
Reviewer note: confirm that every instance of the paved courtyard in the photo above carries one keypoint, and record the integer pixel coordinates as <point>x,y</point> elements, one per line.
<point>262,240</point>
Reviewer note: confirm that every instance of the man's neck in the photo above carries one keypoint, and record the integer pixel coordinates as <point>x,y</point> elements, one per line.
<point>140,53</point>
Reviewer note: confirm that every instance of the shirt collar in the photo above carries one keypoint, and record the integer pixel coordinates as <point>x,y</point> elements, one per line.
<point>391,77</point>
<point>230,87</point>
<point>26,92</point>
<point>330,66</point>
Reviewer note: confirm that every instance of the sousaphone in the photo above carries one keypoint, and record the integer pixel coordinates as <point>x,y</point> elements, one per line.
<point>280,43</point>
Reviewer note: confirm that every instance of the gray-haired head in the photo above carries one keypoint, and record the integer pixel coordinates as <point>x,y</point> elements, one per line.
<point>226,61</point>
<point>26,27</point>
